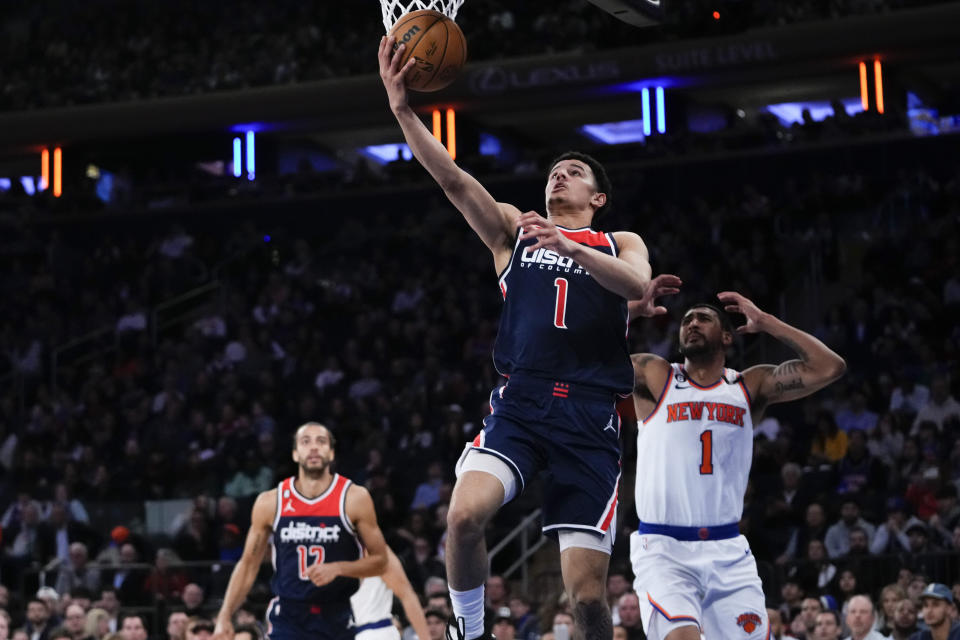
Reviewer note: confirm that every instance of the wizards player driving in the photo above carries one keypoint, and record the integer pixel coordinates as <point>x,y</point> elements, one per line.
<point>562,343</point>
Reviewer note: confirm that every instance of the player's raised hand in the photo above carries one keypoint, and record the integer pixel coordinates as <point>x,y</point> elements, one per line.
<point>666,284</point>
<point>392,72</point>
<point>536,226</point>
<point>737,303</point>
<point>223,630</point>
<point>321,573</point>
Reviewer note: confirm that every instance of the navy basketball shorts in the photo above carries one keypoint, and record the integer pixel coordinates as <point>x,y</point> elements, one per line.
<point>295,620</point>
<point>569,432</point>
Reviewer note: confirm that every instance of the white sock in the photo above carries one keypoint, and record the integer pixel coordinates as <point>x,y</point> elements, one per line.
<point>469,606</point>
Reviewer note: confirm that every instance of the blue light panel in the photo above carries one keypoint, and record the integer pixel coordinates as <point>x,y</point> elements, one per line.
<point>237,159</point>
<point>28,185</point>
<point>384,153</point>
<point>489,145</point>
<point>251,155</point>
<point>622,132</point>
<point>661,112</point>
<point>645,100</point>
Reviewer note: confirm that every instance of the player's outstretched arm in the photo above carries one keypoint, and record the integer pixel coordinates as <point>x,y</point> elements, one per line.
<point>816,367</point>
<point>494,222</point>
<point>627,274</point>
<point>396,579</point>
<point>246,569</point>
<point>359,509</point>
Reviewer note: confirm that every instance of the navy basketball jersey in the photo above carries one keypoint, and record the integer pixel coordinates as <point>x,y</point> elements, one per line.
<point>558,322</point>
<point>307,531</point>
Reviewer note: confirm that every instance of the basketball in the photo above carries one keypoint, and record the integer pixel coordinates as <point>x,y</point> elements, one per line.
<point>437,44</point>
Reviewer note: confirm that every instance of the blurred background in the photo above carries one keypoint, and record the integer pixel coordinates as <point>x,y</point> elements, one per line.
<point>211,232</point>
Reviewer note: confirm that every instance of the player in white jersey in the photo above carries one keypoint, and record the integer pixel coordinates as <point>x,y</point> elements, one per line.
<point>695,573</point>
<point>372,604</point>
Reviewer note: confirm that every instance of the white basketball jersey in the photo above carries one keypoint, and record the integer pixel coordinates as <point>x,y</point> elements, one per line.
<point>372,602</point>
<point>694,452</point>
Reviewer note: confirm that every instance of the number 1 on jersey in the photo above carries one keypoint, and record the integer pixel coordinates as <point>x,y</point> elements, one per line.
<point>560,310</point>
<point>302,552</point>
<point>706,453</point>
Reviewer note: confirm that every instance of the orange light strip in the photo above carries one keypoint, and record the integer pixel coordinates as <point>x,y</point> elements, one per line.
<point>57,172</point>
<point>44,169</point>
<point>878,77</point>
<point>436,125</point>
<point>864,96</point>
<point>452,133</point>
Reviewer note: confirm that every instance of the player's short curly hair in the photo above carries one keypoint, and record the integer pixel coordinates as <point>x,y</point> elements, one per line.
<point>599,173</point>
<point>725,323</point>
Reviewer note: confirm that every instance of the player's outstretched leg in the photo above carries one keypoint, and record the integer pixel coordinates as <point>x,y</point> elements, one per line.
<point>476,497</point>
<point>585,579</point>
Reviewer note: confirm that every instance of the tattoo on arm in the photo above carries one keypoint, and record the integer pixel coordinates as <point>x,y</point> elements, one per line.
<point>789,368</point>
<point>796,383</point>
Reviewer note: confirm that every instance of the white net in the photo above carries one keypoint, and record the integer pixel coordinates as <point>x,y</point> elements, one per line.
<point>393,9</point>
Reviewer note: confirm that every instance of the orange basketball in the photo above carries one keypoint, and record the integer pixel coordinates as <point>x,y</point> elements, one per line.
<point>437,44</point>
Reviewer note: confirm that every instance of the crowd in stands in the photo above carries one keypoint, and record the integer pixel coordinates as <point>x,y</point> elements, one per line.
<point>59,53</point>
<point>381,325</point>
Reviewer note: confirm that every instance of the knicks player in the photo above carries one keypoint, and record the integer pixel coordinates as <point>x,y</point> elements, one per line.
<point>694,570</point>
<point>324,536</point>
<point>562,342</point>
<point>373,604</point>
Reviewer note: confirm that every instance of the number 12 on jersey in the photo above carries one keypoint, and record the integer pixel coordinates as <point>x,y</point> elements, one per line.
<point>302,552</point>
<point>560,309</point>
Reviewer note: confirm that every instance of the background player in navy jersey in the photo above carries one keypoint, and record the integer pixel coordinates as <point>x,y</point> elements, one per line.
<point>562,342</point>
<point>318,524</point>
<point>694,571</point>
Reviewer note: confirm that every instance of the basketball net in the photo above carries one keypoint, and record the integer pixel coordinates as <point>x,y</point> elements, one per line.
<point>394,9</point>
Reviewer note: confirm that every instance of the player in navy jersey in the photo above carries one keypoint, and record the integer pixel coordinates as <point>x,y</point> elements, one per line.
<point>562,344</point>
<point>318,525</point>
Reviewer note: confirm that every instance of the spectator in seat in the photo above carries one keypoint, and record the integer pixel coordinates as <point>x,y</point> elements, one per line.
<point>193,598</point>
<point>76,573</point>
<point>829,442</point>
<point>177,626</point>
<point>947,517</point>
<point>436,624</point>
<point>891,535</point>
<point>97,624</point>
<point>777,628</point>
<point>165,582</point>
<point>861,618</point>
<point>630,618</point>
<point>939,614</point>
<point>904,620</point>
<point>133,627</point>
<point>889,597</point>
<point>827,626</point>
<point>837,539</point>
<point>38,618</point>
<point>858,416</point>
<point>939,408</point>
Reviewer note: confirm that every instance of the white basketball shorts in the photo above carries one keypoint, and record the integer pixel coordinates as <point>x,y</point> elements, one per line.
<point>712,584</point>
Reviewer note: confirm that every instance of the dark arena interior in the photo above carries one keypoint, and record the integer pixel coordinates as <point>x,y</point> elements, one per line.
<point>213,232</point>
